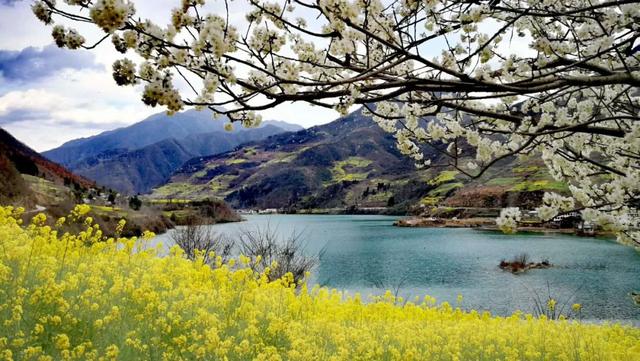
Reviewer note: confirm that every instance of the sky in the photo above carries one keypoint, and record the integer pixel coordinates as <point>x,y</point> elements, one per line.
<point>49,95</point>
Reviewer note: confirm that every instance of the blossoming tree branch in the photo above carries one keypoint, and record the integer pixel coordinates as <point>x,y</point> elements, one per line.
<point>474,81</point>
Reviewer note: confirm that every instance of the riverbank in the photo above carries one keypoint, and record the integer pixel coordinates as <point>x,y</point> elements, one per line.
<point>483,223</point>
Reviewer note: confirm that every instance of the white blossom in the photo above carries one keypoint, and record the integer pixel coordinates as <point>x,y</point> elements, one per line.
<point>111,15</point>
<point>569,97</point>
<point>508,220</point>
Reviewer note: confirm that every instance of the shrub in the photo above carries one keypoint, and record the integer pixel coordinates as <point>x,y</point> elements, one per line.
<point>135,203</point>
<point>277,256</point>
<point>199,240</point>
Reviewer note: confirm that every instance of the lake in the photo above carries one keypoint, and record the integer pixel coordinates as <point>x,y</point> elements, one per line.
<point>367,254</point>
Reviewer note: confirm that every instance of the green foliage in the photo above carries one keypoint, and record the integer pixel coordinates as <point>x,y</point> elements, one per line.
<point>108,211</point>
<point>350,169</point>
<point>503,181</point>
<point>444,177</point>
<point>526,169</point>
<point>445,189</point>
<point>46,190</point>
<point>181,190</point>
<point>200,174</point>
<point>430,201</point>
<point>220,185</point>
<point>236,161</point>
<point>540,185</point>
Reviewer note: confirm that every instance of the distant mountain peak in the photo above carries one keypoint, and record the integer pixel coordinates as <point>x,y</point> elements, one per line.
<point>134,158</point>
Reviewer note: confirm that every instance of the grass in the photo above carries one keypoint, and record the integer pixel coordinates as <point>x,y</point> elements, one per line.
<point>177,190</point>
<point>285,157</point>
<point>520,184</point>
<point>169,201</point>
<point>220,185</point>
<point>444,177</point>
<point>349,169</point>
<point>430,201</point>
<point>379,196</point>
<point>108,211</point>
<point>199,174</point>
<point>445,189</point>
<point>179,215</point>
<point>47,191</point>
<point>504,181</point>
<point>540,185</point>
<point>236,161</point>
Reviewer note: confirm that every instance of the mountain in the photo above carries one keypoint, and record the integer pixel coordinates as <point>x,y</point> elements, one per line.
<point>136,158</point>
<point>21,165</point>
<point>138,171</point>
<point>348,164</point>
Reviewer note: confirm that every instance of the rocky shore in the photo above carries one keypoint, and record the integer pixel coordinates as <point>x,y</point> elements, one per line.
<point>482,223</point>
<point>445,222</point>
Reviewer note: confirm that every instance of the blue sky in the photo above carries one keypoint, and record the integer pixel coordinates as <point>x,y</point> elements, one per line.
<point>50,95</point>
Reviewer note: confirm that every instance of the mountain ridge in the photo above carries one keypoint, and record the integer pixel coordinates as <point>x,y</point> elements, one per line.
<point>139,170</point>
<point>136,158</point>
<point>350,163</point>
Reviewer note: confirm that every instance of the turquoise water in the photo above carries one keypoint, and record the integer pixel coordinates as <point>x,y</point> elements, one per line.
<point>367,254</point>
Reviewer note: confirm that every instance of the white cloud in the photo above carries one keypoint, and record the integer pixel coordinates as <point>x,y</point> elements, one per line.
<point>71,103</point>
<point>30,100</point>
<point>67,105</point>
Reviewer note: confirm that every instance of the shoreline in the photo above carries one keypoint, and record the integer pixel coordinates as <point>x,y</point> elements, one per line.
<point>484,224</point>
<point>487,224</point>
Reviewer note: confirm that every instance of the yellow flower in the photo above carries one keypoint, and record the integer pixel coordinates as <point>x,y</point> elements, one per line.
<point>551,304</point>
<point>62,341</point>
<point>112,352</point>
<point>105,294</point>
<point>17,312</point>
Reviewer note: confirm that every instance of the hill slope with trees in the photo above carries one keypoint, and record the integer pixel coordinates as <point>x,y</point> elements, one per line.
<point>349,164</point>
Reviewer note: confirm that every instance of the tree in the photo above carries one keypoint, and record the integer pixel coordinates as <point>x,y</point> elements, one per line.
<point>112,197</point>
<point>474,81</point>
<point>391,201</point>
<point>135,203</point>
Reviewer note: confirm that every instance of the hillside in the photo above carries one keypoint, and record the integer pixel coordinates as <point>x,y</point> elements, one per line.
<point>29,180</point>
<point>17,160</point>
<point>349,164</point>
<point>138,171</point>
<point>137,158</point>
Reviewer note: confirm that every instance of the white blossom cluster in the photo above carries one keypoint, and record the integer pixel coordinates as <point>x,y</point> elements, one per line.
<point>42,11</point>
<point>110,15</point>
<point>508,220</point>
<point>162,92</point>
<point>569,94</point>
<point>68,38</point>
<point>124,72</point>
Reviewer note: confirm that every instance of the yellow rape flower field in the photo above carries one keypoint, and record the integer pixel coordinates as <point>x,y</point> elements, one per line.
<point>79,296</point>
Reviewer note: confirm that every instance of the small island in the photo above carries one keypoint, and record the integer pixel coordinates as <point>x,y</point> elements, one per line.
<point>521,263</point>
